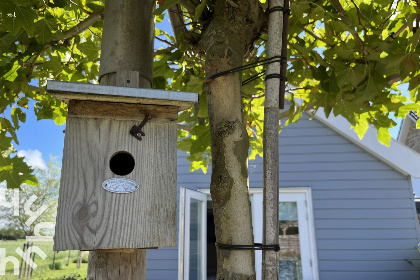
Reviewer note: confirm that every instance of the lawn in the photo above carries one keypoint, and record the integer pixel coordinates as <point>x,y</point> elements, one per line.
<point>43,270</point>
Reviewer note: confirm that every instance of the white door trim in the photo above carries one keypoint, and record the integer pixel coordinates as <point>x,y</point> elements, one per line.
<point>305,216</point>
<point>185,197</point>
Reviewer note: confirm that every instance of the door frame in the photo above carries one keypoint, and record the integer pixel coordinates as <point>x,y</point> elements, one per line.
<point>256,198</point>
<point>185,196</point>
<point>305,217</point>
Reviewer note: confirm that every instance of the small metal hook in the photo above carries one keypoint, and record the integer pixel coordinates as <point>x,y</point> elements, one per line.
<point>136,129</point>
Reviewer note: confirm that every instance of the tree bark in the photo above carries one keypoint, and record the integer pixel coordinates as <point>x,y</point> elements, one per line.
<point>126,60</point>
<point>226,41</point>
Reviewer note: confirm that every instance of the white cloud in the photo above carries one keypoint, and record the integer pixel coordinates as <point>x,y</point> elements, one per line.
<point>33,158</point>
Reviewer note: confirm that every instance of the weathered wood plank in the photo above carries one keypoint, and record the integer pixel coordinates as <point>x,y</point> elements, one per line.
<point>121,111</point>
<point>90,217</point>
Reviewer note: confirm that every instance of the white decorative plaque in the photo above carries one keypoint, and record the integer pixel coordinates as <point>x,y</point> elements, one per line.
<point>120,185</point>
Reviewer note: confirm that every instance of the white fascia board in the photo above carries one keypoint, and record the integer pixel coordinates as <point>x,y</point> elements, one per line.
<point>405,126</point>
<point>396,155</point>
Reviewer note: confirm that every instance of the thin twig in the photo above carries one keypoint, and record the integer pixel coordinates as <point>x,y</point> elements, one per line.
<point>81,8</point>
<point>165,41</point>
<point>342,13</point>
<point>317,38</point>
<point>80,27</point>
<point>32,65</point>
<point>359,16</point>
<point>95,34</point>
<point>303,57</point>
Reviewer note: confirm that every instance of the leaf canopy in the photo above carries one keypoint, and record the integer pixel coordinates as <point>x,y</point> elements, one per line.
<point>348,57</point>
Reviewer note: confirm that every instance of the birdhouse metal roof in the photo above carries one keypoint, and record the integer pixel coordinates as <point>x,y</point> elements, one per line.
<point>66,91</point>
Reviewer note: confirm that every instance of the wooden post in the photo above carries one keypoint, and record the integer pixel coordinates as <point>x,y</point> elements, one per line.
<point>21,262</point>
<point>53,264</point>
<point>68,259</point>
<point>270,265</point>
<point>127,45</point>
<point>79,259</point>
<point>28,256</point>
<point>32,269</point>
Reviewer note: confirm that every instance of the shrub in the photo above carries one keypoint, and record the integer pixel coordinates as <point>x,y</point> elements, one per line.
<point>74,276</point>
<point>11,234</point>
<point>85,258</point>
<point>58,265</point>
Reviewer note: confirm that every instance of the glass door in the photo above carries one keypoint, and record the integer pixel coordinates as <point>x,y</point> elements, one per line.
<point>297,255</point>
<point>290,262</point>
<point>192,235</point>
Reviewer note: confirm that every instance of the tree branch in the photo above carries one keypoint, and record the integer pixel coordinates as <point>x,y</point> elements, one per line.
<point>79,28</point>
<point>165,41</point>
<point>317,38</point>
<point>177,20</point>
<point>189,5</point>
<point>342,13</point>
<point>302,56</point>
<point>359,16</point>
<point>394,36</point>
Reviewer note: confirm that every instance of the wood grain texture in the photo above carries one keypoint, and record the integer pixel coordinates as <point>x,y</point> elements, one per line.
<point>104,265</point>
<point>91,218</point>
<point>121,111</point>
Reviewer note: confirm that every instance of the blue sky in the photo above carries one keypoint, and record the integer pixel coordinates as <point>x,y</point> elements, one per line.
<point>40,139</point>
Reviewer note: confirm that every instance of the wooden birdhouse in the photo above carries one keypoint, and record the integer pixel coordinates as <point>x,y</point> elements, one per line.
<point>118,181</point>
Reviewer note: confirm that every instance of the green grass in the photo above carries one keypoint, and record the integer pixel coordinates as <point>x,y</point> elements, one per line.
<point>43,270</point>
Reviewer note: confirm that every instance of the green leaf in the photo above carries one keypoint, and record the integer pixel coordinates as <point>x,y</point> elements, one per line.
<point>361,126</point>
<point>159,82</point>
<point>44,29</point>
<point>384,136</point>
<point>202,111</point>
<point>58,3</point>
<point>202,139</point>
<point>53,65</point>
<point>195,84</point>
<point>18,16</point>
<point>199,10</point>
<point>90,49</point>
<point>15,172</point>
<point>166,5</point>
<point>333,85</point>
<point>409,66</point>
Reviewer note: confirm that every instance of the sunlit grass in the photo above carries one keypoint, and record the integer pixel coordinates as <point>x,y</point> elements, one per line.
<point>43,270</point>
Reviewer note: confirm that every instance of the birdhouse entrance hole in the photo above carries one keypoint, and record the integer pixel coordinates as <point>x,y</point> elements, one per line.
<point>122,163</point>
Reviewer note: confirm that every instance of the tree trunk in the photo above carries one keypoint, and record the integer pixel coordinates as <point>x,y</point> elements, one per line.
<point>225,42</point>
<point>126,60</point>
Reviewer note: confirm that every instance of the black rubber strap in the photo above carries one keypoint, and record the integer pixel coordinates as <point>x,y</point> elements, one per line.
<point>264,61</point>
<point>275,76</point>
<point>255,246</point>
<point>279,9</point>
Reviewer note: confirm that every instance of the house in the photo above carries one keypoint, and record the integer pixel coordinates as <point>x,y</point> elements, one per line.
<point>347,209</point>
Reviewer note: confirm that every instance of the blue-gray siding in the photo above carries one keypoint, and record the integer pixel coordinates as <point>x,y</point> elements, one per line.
<point>364,214</point>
